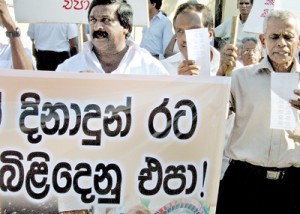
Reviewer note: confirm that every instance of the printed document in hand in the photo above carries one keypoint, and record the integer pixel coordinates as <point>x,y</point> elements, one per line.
<point>198,48</point>
<point>283,115</point>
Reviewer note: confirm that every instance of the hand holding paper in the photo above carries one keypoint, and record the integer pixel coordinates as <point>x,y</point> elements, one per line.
<point>199,49</point>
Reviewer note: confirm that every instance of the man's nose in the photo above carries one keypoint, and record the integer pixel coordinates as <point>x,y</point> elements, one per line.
<point>282,41</point>
<point>98,25</point>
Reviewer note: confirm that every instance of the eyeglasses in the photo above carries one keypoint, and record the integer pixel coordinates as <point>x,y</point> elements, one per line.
<point>248,51</point>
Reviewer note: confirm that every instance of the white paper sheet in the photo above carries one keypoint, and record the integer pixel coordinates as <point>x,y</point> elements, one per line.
<point>198,47</point>
<point>283,115</point>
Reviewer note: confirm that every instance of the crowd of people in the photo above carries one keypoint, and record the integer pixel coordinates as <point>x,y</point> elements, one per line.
<point>264,164</point>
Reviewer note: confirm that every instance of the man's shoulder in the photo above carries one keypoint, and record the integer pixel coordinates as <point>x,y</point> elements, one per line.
<point>162,18</point>
<point>225,23</point>
<point>246,72</point>
<point>171,63</point>
<point>73,63</point>
<point>178,57</point>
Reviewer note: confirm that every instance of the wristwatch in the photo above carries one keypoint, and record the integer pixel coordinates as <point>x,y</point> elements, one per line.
<point>13,34</point>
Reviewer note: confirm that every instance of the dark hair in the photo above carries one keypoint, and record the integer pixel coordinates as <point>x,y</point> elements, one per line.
<point>124,12</point>
<point>208,20</point>
<point>158,3</point>
<point>251,1</point>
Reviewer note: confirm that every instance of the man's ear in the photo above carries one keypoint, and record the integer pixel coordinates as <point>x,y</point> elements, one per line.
<point>125,31</point>
<point>262,40</point>
<point>211,34</point>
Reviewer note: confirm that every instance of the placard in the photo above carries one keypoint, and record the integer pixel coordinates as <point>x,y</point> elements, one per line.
<point>90,141</point>
<point>69,11</point>
<point>262,8</point>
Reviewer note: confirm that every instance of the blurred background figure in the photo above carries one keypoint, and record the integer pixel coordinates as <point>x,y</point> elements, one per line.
<point>250,51</point>
<point>52,44</point>
<point>157,36</point>
<point>223,31</point>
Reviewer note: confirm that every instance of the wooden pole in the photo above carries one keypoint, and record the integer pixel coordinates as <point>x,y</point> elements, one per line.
<point>233,36</point>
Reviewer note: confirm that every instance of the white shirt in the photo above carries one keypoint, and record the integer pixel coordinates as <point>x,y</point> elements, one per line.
<point>6,57</point>
<point>171,63</point>
<point>52,37</point>
<point>157,36</point>
<point>224,31</point>
<point>252,140</point>
<point>136,61</point>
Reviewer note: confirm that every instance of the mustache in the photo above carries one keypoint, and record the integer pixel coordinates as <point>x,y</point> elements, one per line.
<point>100,34</point>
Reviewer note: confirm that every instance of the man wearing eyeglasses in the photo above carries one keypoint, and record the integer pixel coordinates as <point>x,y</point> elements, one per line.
<point>223,31</point>
<point>250,51</point>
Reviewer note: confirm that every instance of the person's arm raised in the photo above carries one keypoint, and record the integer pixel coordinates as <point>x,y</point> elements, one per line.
<point>20,58</point>
<point>228,59</point>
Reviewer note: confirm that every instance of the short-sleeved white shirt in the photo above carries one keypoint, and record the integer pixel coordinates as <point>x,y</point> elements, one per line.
<point>224,31</point>
<point>52,37</point>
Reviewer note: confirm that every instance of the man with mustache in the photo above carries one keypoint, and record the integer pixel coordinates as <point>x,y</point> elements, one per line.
<point>110,50</point>
<point>264,171</point>
<point>13,54</point>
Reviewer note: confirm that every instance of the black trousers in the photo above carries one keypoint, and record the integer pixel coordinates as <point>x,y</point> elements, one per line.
<point>49,60</point>
<point>246,188</point>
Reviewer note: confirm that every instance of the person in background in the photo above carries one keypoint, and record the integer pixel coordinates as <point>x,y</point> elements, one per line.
<point>191,15</point>
<point>250,51</point>
<point>157,36</point>
<point>264,171</point>
<point>110,50</point>
<point>52,44</point>
<point>223,31</point>
<point>12,54</point>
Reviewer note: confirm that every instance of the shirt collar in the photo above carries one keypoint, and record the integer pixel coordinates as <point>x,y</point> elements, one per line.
<point>266,67</point>
<point>159,15</point>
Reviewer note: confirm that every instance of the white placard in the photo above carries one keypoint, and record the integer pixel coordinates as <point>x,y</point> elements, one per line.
<point>69,11</point>
<point>261,8</point>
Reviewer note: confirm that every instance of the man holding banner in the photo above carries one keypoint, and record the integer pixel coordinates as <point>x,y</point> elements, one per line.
<point>264,172</point>
<point>109,50</point>
<point>12,55</point>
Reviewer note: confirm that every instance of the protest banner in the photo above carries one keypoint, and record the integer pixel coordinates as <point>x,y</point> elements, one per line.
<point>262,8</point>
<point>91,141</point>
<point>69,11</point>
